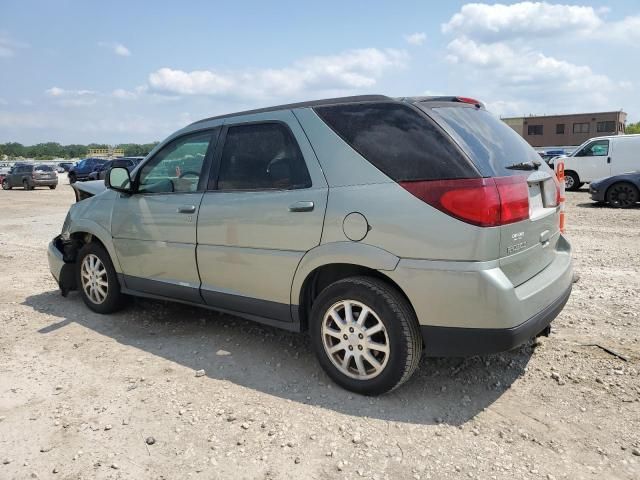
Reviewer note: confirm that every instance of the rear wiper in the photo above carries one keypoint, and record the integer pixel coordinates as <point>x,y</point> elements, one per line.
<point>524,166</point>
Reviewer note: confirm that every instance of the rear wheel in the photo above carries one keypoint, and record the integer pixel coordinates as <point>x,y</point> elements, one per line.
<point>25,185</point>
<point>6,185</point>
<point>365,335</point>
<point>572,181</point>
<point>97,280</point>
<point>52,187</point>
<point>622,195</point>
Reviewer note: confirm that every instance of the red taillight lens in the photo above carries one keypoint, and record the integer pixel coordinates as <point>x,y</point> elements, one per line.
<point>486,202</point>
<point>472,101</point>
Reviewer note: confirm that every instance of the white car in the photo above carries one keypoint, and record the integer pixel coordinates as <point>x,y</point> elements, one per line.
<point>601,157</point>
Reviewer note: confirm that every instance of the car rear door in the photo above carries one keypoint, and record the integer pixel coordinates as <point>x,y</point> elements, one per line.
<point>154,229</point>
<point>263,211</point>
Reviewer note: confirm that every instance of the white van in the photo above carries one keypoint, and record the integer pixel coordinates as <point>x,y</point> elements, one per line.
<point>601,157</point>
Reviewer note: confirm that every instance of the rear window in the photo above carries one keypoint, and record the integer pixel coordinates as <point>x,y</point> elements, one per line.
<point>397,140</point>
<point>43,168</point>
<point>490,143</point>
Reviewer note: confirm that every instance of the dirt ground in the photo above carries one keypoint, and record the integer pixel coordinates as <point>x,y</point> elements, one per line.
<point>85,396</point>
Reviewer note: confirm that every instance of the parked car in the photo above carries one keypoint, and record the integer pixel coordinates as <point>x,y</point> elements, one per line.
<point>382,227</point>
<point>81,170</point>
<point>65,166</point>
<point>619,191</point>
<point>30,176</point>
<point>127,162</point>
<point>601,157</point>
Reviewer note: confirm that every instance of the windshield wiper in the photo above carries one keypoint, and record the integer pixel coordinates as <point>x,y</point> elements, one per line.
<point>524,166</point>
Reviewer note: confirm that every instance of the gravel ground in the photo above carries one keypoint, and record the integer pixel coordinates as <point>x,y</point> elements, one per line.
<point>85,396</point>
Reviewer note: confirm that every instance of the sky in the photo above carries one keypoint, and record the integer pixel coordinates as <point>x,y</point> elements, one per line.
<point>132,71</point>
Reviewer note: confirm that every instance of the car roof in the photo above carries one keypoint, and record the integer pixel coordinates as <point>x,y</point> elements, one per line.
<point>608,137</point>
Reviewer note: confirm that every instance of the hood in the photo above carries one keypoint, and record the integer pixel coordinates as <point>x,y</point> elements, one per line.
<point>88,189</point>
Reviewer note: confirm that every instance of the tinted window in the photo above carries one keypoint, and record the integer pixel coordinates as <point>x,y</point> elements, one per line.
<point>581,127</point>
<point>560,128</point>
<point>177,166</point>
<point>490,143</point>
<point>399,141</point>
<point>43,168</point>
<point>261,157</point>
<point>608,126</point>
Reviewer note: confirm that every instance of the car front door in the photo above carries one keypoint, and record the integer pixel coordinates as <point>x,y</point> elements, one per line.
<point>154,229</point>
<point>263,211</point>
<point>593,161</point>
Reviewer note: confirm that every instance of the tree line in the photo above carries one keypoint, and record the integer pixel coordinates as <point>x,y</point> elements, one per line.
<point>632,128</point>
<point>50,150</point>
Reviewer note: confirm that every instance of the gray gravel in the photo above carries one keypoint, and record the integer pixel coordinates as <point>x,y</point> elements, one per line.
<point>164,391</point>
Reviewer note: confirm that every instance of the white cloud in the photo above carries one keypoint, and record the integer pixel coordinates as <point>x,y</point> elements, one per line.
<point>9,46</point>
<point>117,48</point>
<point>344,72</point>
<point>3,102</point>
<point>73,98</point>
<point>510,54</point>
<point>123,94</point>
<point>417,38</point>
<point>499,22</point>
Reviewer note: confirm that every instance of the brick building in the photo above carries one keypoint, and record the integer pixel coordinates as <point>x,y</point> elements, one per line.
<point>574,129</point>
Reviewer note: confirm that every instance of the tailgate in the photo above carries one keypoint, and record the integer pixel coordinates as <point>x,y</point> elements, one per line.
<point>527,247</point>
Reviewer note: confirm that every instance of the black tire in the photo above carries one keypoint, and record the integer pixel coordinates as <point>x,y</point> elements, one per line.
<point>25,185</point>
<point>622,195</point>
<point>52,187</point>
<point>572,181</point>
<point>72,178</point>
<point>114,299</point>
<point>401,329</point>
<point>6,185</point>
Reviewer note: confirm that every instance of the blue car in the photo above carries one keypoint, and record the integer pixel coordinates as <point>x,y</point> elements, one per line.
<point>81,170</point>
<point>619,191</point>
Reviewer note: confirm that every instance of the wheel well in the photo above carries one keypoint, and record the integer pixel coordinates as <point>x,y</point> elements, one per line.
<point>78,240</point>
<point>566,172</point>
<point>323,276</point>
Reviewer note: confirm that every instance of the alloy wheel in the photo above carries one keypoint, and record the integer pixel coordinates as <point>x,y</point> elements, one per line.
<point>94,279</point>
<point>623,196</point>
<point>355,339</point>
<point>568,182</point>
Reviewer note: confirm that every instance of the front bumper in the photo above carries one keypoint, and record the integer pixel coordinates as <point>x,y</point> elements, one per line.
<point>596,194</point>
<point>61,270</point>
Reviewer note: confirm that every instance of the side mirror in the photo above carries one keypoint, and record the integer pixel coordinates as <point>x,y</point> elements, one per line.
<point>118,179</point>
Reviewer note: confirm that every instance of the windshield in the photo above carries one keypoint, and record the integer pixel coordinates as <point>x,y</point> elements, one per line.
<point>490,143</point>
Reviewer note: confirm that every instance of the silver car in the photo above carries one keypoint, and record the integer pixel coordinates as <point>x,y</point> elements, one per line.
<point>383,227</point>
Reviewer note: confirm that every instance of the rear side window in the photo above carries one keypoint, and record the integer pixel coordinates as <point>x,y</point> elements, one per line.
<point>397,140</point>
<point>262,156</point>
<point>490,143</point>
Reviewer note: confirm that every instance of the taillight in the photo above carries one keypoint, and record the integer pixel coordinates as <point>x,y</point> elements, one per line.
<point>486,202</point>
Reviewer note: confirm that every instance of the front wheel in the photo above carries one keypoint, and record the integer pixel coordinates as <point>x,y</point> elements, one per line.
<point>622,195</point>
<point>365,335</point>
<point>72,178</point>
<point>572,181</point>
<point>6,185</point>
<point>25,185</point>
<point>97,280</point>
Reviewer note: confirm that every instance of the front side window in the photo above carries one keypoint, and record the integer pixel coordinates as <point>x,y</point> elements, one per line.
<point>177,166</point>
<point>262,156</point>
<point>598,148</point>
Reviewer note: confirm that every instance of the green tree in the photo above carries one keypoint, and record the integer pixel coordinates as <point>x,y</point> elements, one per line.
<point>632,128</point>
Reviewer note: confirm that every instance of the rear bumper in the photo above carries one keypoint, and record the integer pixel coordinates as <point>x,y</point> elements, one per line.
<point>464,342</point>
<point>45,183</point>
<point>473,307</point>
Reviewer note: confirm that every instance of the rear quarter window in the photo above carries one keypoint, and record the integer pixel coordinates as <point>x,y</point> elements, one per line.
<point>401,142</point>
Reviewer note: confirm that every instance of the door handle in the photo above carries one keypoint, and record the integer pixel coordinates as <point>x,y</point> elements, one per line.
<point>301,207</point>
<point>608,159</point>
<point>187,209</point>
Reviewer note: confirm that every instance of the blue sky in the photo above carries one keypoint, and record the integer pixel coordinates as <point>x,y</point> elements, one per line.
<point>126,71</point>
